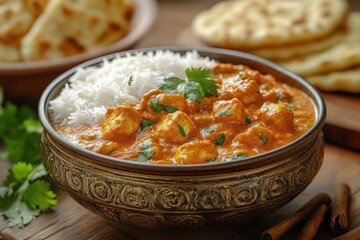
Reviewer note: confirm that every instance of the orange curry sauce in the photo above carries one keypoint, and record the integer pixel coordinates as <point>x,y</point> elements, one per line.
<point>251,114</point>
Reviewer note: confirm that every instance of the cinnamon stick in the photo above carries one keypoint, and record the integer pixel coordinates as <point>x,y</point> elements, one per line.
<point>352,235</point>
<point>339,214</point>
<point>280,229</point>
<point>312,225</point>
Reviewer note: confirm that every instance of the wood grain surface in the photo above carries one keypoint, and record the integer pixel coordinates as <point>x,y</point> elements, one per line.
<point>69,220</point>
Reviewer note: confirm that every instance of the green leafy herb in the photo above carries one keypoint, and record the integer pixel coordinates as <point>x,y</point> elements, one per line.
<point>242,75</point>
<point>213,159</point>
<point>146,153</point>
<point>23,196</point>
<point>239,157</point>
<point>182,131</point>
<point>156,107</point>
<point>146,123</point>
<point>289,105</point>
<point>263,138</point>
<point>208,130</point>
<point>200,83</point>
<point>130,81</point>
<point>224,113</point>
<point>279,95</point>
<point>248,120</point>
<point>220,140</point>
<point>205,78</point>
<point>265,105</point>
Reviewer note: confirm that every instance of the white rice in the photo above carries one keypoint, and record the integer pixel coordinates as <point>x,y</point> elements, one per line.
<point>91,90</point>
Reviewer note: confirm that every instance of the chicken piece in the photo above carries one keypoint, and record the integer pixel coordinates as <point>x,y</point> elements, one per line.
<point>174,100</point>
<point>120,122</point>
<point>144,103</point>
<point>229,110</point>
<point>256,137</point>
<point>176,127</point>
<point>106,148</point>
<point>278,116</point>
<point>247,91</point>
<point>196,152</point>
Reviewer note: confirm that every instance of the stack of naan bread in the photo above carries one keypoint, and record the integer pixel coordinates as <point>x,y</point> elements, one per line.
<point>317,39</point>
<point>48,29</point>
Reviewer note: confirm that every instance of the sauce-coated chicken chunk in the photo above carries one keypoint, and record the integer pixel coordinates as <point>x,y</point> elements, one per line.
<point>176,127</point>
<point>196,152</point>
<point>120,122</point>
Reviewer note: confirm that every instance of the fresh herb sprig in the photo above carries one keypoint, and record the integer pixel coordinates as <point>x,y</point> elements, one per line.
<point>200,83</point>
<point>23,194</point>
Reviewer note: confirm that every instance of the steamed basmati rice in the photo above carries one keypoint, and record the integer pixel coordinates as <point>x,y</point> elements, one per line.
<point>91,90</point>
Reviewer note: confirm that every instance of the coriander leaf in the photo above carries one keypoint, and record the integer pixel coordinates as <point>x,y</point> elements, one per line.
<point>289,105</point>
<point>208,130</point>
<point>192,91</point>
<point>279,95</point>
<point>16,211</point>
<point>32,126</point>
<point>24,148</point>
<point>39,196</point>
<point>21,171</point>
<point>242,75</point>
<point>248,120</point>
<point>146,144</point>
<point>220,140</point>
<point>171,84</point>
<point>146,123</point>
<point>205,78</point>
<point>146,153</point>
<point>1,96</point>
<point>213,159</point>
<point>13,204</point>
<point>239,157</point>
<point>182,131</point>
<point>224,113</point>
<point>156,107</point>
<point>130,81</point>
<point>263,138</point>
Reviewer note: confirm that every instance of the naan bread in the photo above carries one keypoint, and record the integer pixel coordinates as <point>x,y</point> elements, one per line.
<point>16,18</point>
<point>69,27</point>
<point>343,56</point>
<point>253,24</point>
<point>283,53</point>
<point>346,81</point>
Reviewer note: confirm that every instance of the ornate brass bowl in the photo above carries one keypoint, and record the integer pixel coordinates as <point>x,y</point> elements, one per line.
<point>168,197</point>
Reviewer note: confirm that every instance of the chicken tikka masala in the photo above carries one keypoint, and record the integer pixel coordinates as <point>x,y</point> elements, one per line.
<point>228,113</point>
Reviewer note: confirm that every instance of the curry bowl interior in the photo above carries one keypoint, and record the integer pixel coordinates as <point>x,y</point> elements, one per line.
<point>221,55</point>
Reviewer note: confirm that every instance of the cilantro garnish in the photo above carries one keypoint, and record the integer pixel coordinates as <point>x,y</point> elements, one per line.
<point>220,140</point>
<point>248,120</point>
<point>263,138</point>
<point>279,95</point>
<point>239,157</point>
<point>146,153</point>
<point>182,131</point>
<point>146,123</point>
<point>289,105</point>
<point>208,130</point>
<point>130,81</point>
<point>224,113</point>
<point>23,195</point>
<point>200,84</point>
<point>157,107</point>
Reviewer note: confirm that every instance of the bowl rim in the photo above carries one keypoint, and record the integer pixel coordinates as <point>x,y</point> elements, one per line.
<point>248,163</point>
<point>143,19</point>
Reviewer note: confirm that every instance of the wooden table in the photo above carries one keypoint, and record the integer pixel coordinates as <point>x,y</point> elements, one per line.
<point>69,220</point>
